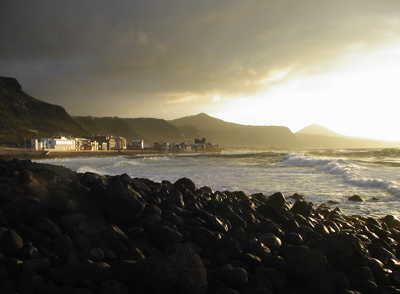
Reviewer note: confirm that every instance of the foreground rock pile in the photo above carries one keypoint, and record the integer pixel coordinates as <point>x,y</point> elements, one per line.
<point>66,232</point>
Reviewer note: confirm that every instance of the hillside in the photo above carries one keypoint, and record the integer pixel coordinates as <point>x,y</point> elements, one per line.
<point>148,129</point>
<point>319,137</point>
<point>236,135</point>
<point>24,117</point>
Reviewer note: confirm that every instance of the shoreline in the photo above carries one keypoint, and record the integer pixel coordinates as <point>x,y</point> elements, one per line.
<point>125,235</point>
<point>22,154</point>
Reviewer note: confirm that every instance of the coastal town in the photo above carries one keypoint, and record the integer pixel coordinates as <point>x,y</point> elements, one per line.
<point>102,142</point>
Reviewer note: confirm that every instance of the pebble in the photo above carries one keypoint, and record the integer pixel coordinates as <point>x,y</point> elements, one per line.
<point>87,233</point>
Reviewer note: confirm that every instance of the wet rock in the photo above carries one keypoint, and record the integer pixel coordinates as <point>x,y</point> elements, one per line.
<point>48,227</point>
<point>185,183</point>
<point>180,270</point>
<point>234,277</point>
<point>277,199</point>
<point>30,281</point>
<point>230,246</point>
<point>73,220</point>
<point>212,222</point>
<point>391,221</point>
<point>13,266</point>
<point>298,197</point>
<point>382,254</point>
<point>361,280</point>
<point>356,198</point>
<point>36,265</point>
<point>113,232</point>
<point>271,241</point>
<point>95,272</point>
<point>11,243</point>
<point>113,286</point>
<point>164,236</point>
<point>293,239</point>
<point>94,254</point>
<point>310,269</point>
<point>344,252</point>
<point>59,201</point>
<point>303,208</point>
<point>121,203</point>
<point>272,212</point>
<point>175,197</point>
<point>64,232</point>
<point>63,246</point>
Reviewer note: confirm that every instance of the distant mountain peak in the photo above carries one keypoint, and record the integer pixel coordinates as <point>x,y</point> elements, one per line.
<point>316,129</point>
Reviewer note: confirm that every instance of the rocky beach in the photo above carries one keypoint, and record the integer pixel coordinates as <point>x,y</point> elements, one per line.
<point>68,232</point>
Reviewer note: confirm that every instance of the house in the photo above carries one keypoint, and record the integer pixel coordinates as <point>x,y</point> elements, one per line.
<point>120,143</point>
<point>86,144</point>
<point>137,144</point>
<point>110,142</point>
<point>58,142</point>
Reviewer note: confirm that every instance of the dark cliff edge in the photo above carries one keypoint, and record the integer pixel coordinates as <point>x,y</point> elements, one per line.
<point>24,117</point>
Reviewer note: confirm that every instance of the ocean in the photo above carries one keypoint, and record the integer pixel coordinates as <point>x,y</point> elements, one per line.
<point>327,177</point>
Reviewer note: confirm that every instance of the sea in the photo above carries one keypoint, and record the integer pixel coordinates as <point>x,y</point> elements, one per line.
<point>324,177</point>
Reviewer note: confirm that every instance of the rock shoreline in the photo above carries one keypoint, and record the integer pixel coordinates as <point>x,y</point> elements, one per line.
<point>68,232</point>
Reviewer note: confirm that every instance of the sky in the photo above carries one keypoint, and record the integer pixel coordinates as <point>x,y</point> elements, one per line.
<point>266,62</point>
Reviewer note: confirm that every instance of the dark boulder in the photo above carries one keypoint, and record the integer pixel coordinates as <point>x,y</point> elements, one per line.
<point>356,198</point>
<point>310,269</point>
<point>47,227</point>
<point>186,184</point>
<point>11,243</point>
<point>180,270</point>
<point>121,203</point>
<point>234,277</point>
<point>303,208</point>
<point>277,199</point>
<point>164,236</point>
<point>113,286</point>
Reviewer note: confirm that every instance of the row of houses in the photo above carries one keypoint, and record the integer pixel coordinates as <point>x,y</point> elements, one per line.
<point>99,142</point>
<point>95,143</point>
<point>199,145</point>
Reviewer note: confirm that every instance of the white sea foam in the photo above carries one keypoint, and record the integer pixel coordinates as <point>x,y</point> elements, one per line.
<point>319,177</point>
<point>351,172</point>
<point>303,160</point>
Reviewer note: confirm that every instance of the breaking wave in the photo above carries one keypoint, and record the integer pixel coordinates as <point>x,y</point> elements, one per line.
<point>350,171</point>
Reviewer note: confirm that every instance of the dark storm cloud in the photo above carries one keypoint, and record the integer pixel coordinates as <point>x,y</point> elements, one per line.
<point>143,53</point>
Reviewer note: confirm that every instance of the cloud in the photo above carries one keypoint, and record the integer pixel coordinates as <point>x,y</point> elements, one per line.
<point>98,51</point>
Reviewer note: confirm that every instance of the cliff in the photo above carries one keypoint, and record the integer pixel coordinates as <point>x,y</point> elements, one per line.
<point>148,129</point>
<point>24,117</point>
<point>236,135</point>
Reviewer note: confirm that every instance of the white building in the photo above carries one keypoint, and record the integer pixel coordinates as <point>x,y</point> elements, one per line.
<point>56,143</point>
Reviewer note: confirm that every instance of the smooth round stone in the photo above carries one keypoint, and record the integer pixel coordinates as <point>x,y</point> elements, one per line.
<point>293,238</point>
<point>234,277</point>
<point>271,241</point>
<point>11,243</point>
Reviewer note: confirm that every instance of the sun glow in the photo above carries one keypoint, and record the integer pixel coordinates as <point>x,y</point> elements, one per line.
<point>361,101</point>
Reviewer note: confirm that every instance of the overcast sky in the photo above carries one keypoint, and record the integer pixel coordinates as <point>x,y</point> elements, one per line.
<point>269,62</point>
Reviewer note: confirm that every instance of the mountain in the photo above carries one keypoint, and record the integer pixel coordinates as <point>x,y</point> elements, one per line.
<point>235,135</point>
<point>148,129</point>
<point>316,129</point>
<point>318,137</point>
<point>24,117</point>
